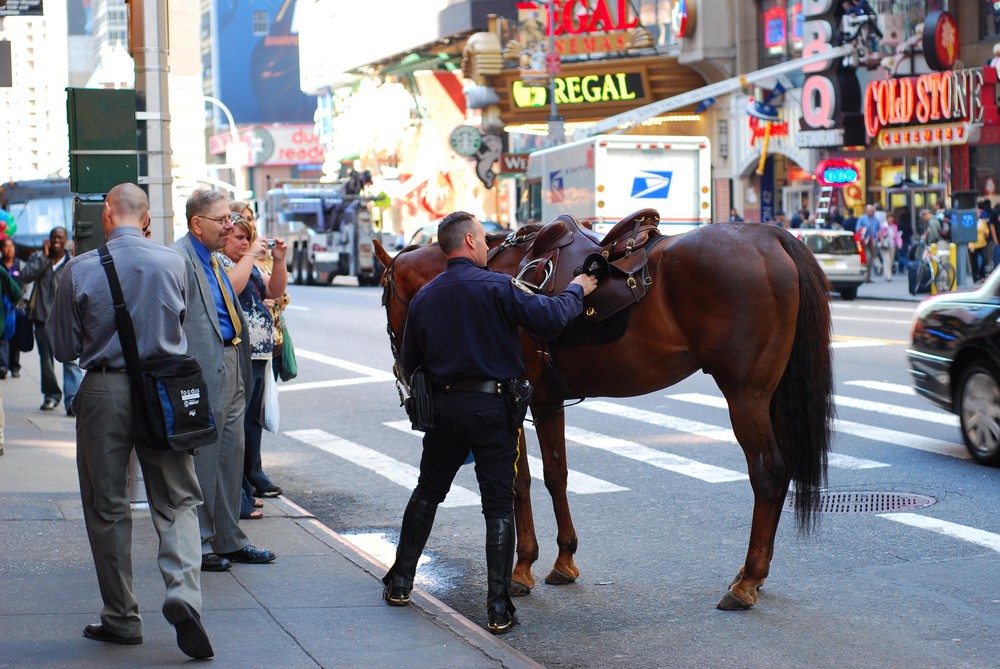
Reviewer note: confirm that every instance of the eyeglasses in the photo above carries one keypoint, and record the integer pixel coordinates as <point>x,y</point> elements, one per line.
<point>221,220</point>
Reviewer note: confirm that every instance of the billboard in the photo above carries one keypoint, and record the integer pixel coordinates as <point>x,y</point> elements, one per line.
<point>20,8</point>
<point>256,61</point>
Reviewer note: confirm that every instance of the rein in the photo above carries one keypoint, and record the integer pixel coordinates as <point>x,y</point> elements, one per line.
<point>389,290</point>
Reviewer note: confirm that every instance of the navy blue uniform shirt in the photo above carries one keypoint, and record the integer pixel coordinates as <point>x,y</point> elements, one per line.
<point>464,323</point>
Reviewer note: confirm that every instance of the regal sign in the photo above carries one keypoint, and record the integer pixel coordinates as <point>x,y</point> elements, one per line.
<point>955,95</point>
<point>578,26</point>
<point>586,89</point>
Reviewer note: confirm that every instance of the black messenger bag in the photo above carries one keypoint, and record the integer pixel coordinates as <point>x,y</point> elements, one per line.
<point>169,394</point>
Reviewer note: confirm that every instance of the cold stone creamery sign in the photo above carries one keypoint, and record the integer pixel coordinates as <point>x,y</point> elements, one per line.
<point>605,88</point>
<point>951,101</point>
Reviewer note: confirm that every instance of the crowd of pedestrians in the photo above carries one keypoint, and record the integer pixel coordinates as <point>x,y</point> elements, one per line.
<point>219,291</point>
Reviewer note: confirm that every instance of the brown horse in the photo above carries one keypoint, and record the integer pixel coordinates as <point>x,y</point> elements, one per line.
<point>746,303</point>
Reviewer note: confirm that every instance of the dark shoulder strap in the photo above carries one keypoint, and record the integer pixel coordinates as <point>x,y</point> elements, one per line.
<point>123,320</point>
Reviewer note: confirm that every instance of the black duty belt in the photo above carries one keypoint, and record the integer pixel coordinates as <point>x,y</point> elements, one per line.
<point>489,386</point>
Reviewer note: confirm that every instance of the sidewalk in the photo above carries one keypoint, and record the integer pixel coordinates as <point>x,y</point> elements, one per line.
<point>318,605</point>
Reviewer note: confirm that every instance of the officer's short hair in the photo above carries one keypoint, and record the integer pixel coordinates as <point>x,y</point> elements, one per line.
<point>452,229</point>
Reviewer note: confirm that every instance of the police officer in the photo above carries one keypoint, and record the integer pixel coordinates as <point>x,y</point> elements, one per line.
<point>462,328</point>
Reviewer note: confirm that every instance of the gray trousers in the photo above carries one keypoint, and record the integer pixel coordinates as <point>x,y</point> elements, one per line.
<point>104,443</point>
<point>220,467</point>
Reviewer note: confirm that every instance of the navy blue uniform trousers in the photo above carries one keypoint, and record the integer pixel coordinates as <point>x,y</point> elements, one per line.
<point>478,422</point>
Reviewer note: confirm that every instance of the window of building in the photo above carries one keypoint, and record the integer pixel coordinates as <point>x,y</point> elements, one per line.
<point>260,21</point>
<point>655,16</point>
<point>989,18</point>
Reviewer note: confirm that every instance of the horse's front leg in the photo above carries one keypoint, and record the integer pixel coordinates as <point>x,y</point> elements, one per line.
<point>769,481</point>
<point>522,581</point>
<point>552,441</point>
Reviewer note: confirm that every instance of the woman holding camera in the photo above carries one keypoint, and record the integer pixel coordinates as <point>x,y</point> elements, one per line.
<point>257,291</point>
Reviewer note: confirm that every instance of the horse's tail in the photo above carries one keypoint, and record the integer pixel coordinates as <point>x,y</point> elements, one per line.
<point>802,407</point>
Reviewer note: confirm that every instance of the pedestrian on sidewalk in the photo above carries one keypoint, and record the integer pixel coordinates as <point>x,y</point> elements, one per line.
<point>12,291</point>
<point>44,269</point>
<point>867,231</point>
<point>82,325</point>
<point>216,330</point>
<point>472,355</point>
<point>10,354</point>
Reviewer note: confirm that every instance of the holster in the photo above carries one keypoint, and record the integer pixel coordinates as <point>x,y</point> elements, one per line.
<point>518,396</point>
<point>420,404</point>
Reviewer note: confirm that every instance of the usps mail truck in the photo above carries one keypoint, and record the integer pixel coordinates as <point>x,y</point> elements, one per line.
<point>607,177</point>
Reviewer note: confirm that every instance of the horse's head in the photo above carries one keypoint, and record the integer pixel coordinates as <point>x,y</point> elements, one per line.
<point>404,275</point>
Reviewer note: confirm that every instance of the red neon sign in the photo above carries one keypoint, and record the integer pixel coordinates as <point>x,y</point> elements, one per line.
<point>575,17</point>
<point>938,96</point>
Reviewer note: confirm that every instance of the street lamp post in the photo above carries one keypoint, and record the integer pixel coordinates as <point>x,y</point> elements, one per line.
<point>236,152</point>
<point>557,133</point>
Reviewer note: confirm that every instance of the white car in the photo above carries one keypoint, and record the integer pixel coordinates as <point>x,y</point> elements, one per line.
<point>840,256</point>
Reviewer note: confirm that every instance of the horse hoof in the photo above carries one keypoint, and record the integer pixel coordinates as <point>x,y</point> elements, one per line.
<point>557,577</point>
<point>730,602</point>
<point>516,589</point>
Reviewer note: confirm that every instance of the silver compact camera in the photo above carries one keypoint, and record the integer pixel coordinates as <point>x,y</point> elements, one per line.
<point>270,243</point>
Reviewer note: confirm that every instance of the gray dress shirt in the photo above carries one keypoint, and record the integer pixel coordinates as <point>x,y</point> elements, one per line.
<point>153,279</point>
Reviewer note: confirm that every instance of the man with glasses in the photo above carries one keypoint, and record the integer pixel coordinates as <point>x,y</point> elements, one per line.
<point>216,332</point>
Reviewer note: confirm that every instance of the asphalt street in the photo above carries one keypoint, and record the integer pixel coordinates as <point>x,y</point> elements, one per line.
<point>661,536</point>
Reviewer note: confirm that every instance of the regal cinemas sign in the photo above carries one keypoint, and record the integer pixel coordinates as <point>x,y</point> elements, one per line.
<point>939,108</point>
<point>578,26</point>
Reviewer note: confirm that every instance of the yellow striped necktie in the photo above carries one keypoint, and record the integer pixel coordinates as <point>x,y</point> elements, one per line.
<point>227,298</point>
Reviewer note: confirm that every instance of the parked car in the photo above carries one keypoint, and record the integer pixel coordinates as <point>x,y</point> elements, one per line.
<point>428,233</point>
<point>840,255</point>
<point>955,362</point>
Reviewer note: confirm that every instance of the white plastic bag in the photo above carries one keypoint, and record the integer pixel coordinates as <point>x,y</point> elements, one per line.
<point>269,403</point>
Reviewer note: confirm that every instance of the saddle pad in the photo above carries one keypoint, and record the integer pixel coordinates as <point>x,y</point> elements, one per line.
<point>581,331</point>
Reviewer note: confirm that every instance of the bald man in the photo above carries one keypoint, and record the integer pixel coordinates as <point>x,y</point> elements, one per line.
<point>153,281</point>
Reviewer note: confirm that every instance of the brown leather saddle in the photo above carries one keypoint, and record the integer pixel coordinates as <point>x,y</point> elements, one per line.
<point>561,248</point>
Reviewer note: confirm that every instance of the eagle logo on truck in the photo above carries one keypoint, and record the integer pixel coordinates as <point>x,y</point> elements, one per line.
<point>555,186</point>
<point>652,184</point>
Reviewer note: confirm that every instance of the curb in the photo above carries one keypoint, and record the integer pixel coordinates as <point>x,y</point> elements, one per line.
<point>437,611</point>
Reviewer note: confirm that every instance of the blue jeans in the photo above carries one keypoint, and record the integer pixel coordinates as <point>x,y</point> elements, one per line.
<point>72,374</point>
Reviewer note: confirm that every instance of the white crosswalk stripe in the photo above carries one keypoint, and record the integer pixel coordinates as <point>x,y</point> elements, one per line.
<point>651,456</point>
<point>390,468</point>
<point>948,529</point>
<point>578,483</point>
<point>871,432</point>
<point>705,433</point>
<point>836,460</point>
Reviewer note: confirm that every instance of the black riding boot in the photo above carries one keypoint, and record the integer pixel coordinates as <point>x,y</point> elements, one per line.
<point>417,522</point>
<point>499,564</point>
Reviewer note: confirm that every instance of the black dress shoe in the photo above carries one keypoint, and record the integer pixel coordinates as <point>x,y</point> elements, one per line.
<point>49,404</point>
<point>250,555</point>
<point>98,633</point>
<point>191,636</point>
<point>273,491</point>
<point>212,562</point>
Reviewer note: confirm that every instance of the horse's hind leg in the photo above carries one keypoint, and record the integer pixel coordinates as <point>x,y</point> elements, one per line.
<point>522,581</point>
<point>552,441</point>
<point>769,480</point>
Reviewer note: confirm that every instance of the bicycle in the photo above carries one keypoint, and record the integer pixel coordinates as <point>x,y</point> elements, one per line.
<point>934,270</point>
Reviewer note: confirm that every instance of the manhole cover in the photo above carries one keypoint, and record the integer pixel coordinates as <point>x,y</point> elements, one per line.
<point>867,502</point>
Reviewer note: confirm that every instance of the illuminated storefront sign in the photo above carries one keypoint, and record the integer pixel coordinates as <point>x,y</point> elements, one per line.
<point>821,89</point>
<point>836,172</point>
<point>943,134</point>
<point>578,26</point>
<point>585,89</point>
<point>938,96</point>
